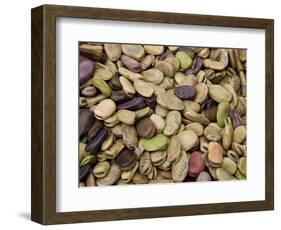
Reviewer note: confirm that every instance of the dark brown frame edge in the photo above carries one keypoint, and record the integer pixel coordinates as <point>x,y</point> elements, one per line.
<point>43,186</point>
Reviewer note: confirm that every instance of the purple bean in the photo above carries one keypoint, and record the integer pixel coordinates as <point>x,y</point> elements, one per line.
<point>185,92</point>
<point>93,147</point>
<point>131,63</point>
<point>135,104</point>
<point>84,172</point>
<point>87,68</point>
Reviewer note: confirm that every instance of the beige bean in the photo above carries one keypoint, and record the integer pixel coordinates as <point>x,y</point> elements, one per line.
<point>158,122</point>
<point>188,139</point>
<point>143,88</point>
<point>173,121</point>
<point>180,168</point>
<point>112,176</point>
<point>126,116</point>
<point>116,148</point>
<point>127,85</point>
<point>105,109</point>
<point>161,111</point>
<point>239,134</point>
<point>191,105</point>
<point>130,75</point>
<point>101,169</point>
<point>153,75</point>
<point>108,142</point>
<point>196,127</point>
<point>201,93</point>
<point>174,150</point>
<point>154,50</point>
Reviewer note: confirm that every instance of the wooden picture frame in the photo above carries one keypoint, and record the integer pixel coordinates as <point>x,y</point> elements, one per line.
<point>43,208</point>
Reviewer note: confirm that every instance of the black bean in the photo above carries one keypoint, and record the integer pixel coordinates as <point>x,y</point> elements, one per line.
<point>150,102</point>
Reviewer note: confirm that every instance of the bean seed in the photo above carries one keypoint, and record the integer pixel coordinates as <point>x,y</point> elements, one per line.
<point>86,120</point>
<point>215,154</point>
<point>184,59</point>
<point>145,128</point>
<point>94,146</point>
<point>185,92</point>
<point>86,68</point>
<point>134,104</point>
<point>188,139</point>
<point>158,142</point>
<point>126,159</point>
<point>102,86</point>
<point>105,109</point>
<point>196,164</point>
<point>170,101</point>
<point>126,116</point>
<point>131,63</point>
<point>143,88</point>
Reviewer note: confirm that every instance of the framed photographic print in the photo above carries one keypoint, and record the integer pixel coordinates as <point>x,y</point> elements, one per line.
<point>139,114</point>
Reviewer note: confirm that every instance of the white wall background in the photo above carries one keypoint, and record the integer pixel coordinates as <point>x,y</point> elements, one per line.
<point>15,113</point>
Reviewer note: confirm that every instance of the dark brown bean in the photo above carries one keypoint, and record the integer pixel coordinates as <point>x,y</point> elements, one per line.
<point>94,129</point>
<point>86,120</point>
<point>126,159</point>
<point>93,55</point>
<point>145,128</point>
<point>120,97</point>
<point>211,113</point>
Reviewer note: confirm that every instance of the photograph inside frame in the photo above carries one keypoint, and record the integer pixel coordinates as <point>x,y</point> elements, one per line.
<point>161,114</point>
